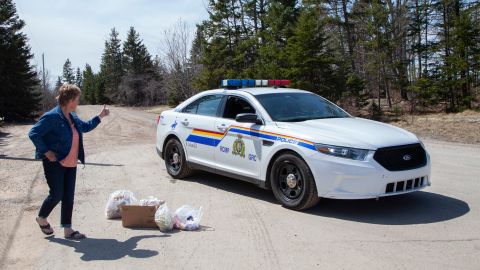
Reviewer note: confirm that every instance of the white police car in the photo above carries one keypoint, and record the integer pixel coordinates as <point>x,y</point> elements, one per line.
<point>294,142</point>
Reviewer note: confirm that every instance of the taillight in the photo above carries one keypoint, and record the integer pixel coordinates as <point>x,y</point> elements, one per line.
<point>158,119</point>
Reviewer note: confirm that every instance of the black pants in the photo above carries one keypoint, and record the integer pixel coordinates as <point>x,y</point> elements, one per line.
<point>61,181</point>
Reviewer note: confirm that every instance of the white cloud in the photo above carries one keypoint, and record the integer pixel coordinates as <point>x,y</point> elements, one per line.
<point>78,29</point>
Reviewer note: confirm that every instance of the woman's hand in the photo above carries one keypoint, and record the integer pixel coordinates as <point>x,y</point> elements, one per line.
<point>51,156</point>
<point>105,111</point>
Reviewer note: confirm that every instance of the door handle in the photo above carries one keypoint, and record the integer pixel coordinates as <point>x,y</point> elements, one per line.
<point>222,127</point>
<point>184,122</point>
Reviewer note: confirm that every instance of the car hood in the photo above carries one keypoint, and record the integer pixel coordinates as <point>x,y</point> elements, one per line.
<point>351,132</point>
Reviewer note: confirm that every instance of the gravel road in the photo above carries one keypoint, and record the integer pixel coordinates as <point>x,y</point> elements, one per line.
<point>243,226</point>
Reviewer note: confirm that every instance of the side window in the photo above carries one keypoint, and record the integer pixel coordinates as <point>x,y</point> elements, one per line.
<point>207,105</point>
<point>236,105</point>
<point>191,108</point>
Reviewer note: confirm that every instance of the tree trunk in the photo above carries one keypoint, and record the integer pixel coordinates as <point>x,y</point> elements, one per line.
<point>349,34</point>
<point>419,35</point>
<point>446,28</point>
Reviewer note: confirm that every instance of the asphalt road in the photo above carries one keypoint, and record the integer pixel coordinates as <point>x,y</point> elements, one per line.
<point>243,227</point>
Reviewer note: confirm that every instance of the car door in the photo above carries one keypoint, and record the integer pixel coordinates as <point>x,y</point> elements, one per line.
<point>196,126</point>
<point>239,152</point>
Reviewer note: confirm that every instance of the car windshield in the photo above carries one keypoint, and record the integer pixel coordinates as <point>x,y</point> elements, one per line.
<point>297,107</point>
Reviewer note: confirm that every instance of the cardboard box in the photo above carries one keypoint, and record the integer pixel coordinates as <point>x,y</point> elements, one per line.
<point>137,216</point>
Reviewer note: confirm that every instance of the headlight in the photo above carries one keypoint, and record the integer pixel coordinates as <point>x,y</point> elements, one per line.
<point>340,151</point>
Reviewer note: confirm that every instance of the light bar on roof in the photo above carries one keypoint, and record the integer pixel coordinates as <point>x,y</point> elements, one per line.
<point>236,83</point>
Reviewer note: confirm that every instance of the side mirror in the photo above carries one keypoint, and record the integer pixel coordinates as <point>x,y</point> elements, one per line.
<point>249,118</point>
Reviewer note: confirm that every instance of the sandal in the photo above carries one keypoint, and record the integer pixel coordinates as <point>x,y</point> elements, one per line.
<point>46,229</point>
<point>76,235</point>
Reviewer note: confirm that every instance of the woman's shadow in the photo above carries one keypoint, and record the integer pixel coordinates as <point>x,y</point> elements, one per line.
<point>95,249</point>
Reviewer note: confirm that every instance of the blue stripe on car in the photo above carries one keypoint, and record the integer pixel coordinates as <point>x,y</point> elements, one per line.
<point>215,142</point>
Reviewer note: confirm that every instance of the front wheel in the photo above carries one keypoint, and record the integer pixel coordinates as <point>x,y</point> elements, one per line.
<point>175,160</point>
<point>293,183</point>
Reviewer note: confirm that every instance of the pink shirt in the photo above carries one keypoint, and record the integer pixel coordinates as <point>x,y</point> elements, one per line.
<point>71,160</point>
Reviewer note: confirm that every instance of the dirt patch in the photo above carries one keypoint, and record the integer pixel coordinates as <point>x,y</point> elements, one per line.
<point>461,127</point>
<point>156,109</point>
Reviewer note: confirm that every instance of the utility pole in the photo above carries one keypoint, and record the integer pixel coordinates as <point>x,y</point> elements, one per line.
<point>43,72</point>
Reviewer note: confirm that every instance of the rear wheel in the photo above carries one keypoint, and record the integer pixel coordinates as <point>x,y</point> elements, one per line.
<point>293,183</point>
<point>175,160</point>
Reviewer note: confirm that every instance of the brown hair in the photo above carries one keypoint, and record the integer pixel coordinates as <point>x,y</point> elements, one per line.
<point>67,92</point>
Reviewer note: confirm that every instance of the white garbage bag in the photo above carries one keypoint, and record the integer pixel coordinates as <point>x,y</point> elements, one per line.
<point>163,218</point>
<point>117,199</point>
<point>151,201</point>
<point>188,218</point>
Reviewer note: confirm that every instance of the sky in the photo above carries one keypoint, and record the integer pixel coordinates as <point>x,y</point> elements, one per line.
<point>78,29</point>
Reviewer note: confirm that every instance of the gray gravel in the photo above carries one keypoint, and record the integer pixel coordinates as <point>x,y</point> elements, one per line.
<point>243,226</point>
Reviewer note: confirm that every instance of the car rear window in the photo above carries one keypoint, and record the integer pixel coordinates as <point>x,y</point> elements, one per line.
<point>207,105</point>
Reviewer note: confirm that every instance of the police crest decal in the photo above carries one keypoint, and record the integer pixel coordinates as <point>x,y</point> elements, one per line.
<point>238,148</point>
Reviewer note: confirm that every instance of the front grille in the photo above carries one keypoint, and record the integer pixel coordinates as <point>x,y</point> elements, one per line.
<point>401,158</point>
<point>406,185</point>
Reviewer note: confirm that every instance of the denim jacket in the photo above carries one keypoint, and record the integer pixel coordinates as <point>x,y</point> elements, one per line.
<point>53,132</point>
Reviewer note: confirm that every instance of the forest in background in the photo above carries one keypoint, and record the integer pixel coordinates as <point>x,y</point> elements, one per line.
<point>367,55</point>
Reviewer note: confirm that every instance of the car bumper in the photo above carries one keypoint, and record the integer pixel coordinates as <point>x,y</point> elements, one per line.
<point>341,178</point>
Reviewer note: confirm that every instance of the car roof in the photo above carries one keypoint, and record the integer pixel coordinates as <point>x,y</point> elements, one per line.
<point>258,90</point>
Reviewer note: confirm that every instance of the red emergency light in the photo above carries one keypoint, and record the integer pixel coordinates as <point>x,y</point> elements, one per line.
<point>278,83</point>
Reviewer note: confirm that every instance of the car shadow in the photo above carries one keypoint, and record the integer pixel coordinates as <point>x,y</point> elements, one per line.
<point>232,185</point>
<point>96,249</point>
<point>421,207</point>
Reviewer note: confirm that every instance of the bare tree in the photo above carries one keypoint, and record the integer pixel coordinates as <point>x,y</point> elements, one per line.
<point>48,93</point>
<point>179,75</point>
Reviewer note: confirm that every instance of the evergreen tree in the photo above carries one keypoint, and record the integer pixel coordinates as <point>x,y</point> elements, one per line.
<point>111,66</point>
<point>465,46</point>
<point>89,85</point>
<point>18,79</point>
<point>138,69</point>
<point>99,92</point>
<point>68,75</point>
<point>197,56</point>
<point>243,38</point>
<point>280,21</point>
<point>58,83</point>
<point>215,55</point>
<point>310,61</point>
<point>136,58</point>
<point>458,48</point>
<point>355,50</point>
<point>79,78</point>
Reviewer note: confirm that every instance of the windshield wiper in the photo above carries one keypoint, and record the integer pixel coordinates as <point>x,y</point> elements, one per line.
<point>327,117</point>
<point>301,119</point>
<point>298,119</point>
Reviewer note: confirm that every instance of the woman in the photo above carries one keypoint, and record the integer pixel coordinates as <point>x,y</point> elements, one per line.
<point>58,139</point>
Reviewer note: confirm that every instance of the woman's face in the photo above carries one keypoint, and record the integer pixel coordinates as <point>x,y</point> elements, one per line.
<point>72,104</point>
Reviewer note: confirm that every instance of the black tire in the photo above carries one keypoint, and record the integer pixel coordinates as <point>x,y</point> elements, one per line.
<point>293,183</point>
<point>177,167</point>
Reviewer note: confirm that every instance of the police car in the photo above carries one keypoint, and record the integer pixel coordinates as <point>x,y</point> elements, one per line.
<point>296,143</point>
